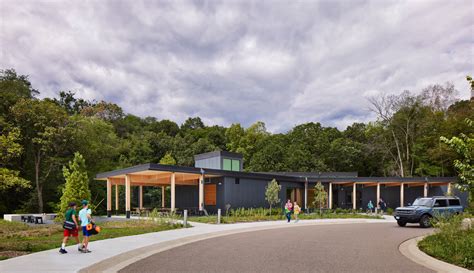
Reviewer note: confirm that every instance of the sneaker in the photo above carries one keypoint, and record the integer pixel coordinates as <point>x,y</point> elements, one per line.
<point>86,251</point>
<point>62,251</point>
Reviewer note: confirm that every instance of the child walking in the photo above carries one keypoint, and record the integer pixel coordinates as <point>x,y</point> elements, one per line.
<point>288,210</point>
<point>296,211</point>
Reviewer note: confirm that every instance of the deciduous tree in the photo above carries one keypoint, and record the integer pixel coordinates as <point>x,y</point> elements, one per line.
<point>272,192</point>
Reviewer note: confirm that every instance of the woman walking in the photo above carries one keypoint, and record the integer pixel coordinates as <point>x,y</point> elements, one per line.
<point>296,211</point>
<point>288,210</point>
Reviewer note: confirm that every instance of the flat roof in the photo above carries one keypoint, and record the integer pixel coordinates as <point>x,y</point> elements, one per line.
<point>336,177</point>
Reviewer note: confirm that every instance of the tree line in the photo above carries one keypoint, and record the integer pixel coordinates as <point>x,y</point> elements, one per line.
<point>40,136</point>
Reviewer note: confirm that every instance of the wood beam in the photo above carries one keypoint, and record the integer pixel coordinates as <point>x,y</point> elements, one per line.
<point>402,195</point>
<point>354,197</point>
<point>163,196</point>
<point>140,196</point>
<point>201,192</point>
<point>393,185</point>
<point>173,191</point>
<point>127,195</point>
<point>116,198</point>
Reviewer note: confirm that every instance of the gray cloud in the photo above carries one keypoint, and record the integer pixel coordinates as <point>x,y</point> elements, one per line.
<point>281,62</point>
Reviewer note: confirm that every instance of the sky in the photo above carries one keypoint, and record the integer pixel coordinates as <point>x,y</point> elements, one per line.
<point>280,62</point>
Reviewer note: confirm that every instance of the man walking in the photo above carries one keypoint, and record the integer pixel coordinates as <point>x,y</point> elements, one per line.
<point>70,228</point>
<point>382,206</point>
<point>86,218</point>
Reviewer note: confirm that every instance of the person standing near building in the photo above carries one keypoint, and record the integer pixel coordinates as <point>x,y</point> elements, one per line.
<point>296,211</point>
<point>71,227</point>
<point>370,207</point>
<point>382,206</point>
<point>86,218</point>
<point>288,210</point>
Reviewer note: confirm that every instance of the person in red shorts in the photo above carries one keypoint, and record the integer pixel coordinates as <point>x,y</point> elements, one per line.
<point>71,217</point>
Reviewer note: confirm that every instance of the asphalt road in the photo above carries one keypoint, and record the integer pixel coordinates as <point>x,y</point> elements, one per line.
<point>322,248</point>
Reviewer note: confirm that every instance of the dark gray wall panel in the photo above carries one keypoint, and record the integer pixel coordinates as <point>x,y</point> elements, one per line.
<point>187,197</point>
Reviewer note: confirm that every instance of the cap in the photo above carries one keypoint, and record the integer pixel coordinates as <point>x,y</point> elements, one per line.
<point>72,204</point>
<point>84,202</point>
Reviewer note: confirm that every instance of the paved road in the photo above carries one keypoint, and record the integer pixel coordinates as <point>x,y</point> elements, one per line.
<point>324,248</point>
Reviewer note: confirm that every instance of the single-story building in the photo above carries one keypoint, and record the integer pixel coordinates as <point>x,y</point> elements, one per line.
<point>217,180</point>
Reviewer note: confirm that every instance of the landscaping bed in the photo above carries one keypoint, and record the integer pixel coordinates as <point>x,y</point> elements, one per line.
<point>451,243</point>
<point>260,214</point>
<point>19,238</point>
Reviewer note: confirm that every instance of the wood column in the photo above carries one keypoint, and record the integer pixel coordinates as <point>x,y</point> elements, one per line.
<point>163,195</point>
<point>402,195</point>
<point>378,195</point>
<point>109,198</point>
<point>116,198</point>
<point>173,191</point>
<point>354,197</point>
<point>141,196</point>
<point>127,195</point>
<point>425,190</point>
<point>201,192</point>
<point>330,195</point>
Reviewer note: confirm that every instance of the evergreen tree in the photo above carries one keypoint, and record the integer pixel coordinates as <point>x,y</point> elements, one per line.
<point>168,160</point>
<point>77,183</point>
<point>271,193</point>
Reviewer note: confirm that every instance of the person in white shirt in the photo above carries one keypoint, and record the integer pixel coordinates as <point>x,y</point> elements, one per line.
<point>86,218</point>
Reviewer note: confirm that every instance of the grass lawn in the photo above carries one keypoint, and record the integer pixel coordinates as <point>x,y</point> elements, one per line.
<point>451,244</point>
<point>19,239</point>
<point>212,219</point>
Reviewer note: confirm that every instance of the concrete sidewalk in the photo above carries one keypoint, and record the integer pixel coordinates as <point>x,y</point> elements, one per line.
<point>53,261</point>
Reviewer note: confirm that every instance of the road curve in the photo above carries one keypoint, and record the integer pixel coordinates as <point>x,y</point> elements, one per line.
<point>321,248</point>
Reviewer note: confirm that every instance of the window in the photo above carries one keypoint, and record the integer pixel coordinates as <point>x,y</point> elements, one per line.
<point>227,165</point>
<point>441,203</point>
<point>231,165</point>
<point>454,202</point>
<point>235,165</point>
<point>237,181</point>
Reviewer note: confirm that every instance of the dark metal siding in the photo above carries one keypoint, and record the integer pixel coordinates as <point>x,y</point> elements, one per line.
<point>187,197</point>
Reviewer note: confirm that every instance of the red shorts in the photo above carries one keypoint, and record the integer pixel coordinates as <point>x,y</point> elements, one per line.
<point>70,232</point>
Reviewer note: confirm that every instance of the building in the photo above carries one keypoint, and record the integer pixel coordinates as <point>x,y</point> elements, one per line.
<point>217,180</point>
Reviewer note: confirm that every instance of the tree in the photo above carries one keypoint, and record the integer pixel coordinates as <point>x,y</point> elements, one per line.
<point>320,197</point>
<point>168,160</point>
<point>272,192</point>
<point>13,87</point>
<point>464,146</point>
<point>10,149</point>
<point>43,129</point>
<point>71,104</point>
<point>77,183</point>
<point>192,124</point>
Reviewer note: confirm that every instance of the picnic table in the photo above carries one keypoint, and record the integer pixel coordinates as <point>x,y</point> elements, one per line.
<point>33,219</point>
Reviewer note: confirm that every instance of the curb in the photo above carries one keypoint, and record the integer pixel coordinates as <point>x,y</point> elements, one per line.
<point>409,249</point>
<point>118,262</point>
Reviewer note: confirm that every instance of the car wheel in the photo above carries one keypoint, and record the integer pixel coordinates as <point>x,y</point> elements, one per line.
<point>401,223</point>
<point>425,221</point>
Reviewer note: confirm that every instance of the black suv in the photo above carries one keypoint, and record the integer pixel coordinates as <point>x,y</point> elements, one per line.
<point>424,209</point>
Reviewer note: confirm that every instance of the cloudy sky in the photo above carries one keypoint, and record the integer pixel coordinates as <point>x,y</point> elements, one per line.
<point>281,62</point>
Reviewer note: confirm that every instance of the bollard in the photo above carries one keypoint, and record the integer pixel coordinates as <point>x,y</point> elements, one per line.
<point>218,216</point>
<point>185,218</point>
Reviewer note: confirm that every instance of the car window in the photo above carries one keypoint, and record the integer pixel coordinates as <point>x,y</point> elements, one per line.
<point>441,203</point>
<point>423,202</point>
<point>454,202</point>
